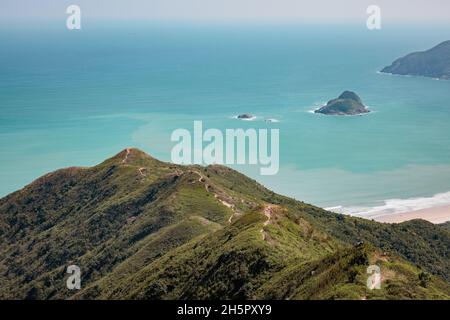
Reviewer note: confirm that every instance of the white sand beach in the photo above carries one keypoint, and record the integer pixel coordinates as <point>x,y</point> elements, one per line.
<point>439,214</point>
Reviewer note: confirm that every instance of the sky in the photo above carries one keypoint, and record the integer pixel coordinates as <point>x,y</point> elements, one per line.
<point>393,11</point>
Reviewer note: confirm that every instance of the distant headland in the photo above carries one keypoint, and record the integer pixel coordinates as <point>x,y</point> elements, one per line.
<point>434,63</point>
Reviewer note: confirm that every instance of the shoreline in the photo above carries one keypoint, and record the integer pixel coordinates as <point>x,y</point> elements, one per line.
<point>436,215</point>
<point>435,209</point>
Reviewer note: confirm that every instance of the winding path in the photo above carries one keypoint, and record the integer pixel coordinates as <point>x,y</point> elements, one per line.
<point>126,155</point>
<point>268,211</point>
<point>141,171</point>
<point>231,206</point>
<point>125,159</point>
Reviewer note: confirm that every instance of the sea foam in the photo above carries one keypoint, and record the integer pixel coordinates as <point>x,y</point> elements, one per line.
<point>394,206</point>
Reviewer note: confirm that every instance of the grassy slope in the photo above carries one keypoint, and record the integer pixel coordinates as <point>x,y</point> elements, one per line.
<point>417,241</point>
<point>140,228</point>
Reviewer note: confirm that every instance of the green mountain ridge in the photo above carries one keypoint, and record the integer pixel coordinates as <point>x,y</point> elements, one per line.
<point>139,228</point>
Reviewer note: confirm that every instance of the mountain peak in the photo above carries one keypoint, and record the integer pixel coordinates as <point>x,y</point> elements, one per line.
<point>349,95</point>
<point>131,156</point>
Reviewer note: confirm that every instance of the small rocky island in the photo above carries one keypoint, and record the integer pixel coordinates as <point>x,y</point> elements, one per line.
<point>434,63</point>
<point>245,116</point>
<point>348,103</point>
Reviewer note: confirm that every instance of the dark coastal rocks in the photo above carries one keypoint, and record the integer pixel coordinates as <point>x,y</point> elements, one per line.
<point>245,116</point>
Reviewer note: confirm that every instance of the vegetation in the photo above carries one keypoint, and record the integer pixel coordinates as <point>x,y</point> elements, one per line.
<point>446,225</point>
<point>144,229</point>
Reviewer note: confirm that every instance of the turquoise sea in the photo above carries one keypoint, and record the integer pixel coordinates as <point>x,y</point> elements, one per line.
<point>74,98</point>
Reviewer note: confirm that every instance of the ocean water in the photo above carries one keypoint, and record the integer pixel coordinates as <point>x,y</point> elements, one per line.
<point>74,98</point>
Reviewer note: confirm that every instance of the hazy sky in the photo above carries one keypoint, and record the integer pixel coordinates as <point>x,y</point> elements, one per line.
<point>393,11</point>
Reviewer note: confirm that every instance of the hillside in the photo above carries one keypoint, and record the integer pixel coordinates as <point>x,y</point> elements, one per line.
<point>446,225</point>
<point>144,229</point>
<point>434,63</point>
